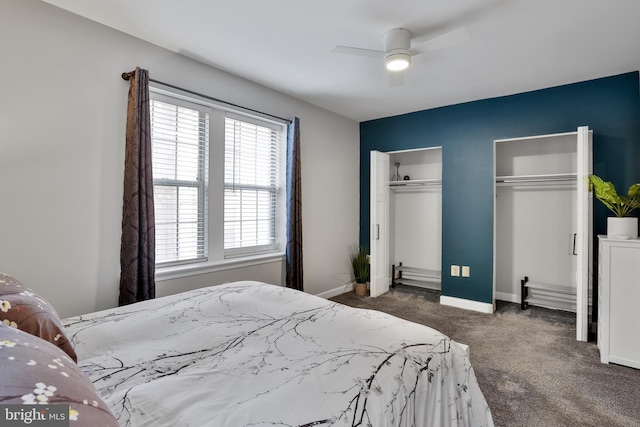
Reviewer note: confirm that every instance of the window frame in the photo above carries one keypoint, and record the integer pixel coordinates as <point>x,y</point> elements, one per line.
<point>201,183</point>
<point>219,258</point>
<point>276,192</point>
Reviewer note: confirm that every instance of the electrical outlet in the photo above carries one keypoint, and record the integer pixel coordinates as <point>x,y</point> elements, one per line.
<point>455,270</point>
<point>466,271</point>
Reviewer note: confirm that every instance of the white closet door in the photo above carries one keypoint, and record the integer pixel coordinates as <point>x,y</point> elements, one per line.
<point>380,277</point>
<point>584,222</point>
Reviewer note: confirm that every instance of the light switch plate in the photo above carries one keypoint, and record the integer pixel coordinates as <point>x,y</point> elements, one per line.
<point>455,270</point>
<point>466,271</point>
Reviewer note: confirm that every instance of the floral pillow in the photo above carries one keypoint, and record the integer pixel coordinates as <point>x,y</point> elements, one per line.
<point>21,308</point>
<point>33,371</point>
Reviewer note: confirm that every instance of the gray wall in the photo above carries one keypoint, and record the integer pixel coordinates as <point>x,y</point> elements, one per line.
<point>62,125</point>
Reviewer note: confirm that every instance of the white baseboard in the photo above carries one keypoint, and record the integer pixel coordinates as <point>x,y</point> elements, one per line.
<point>451,301</point>
<point>503,296</point>
<point>335,291</point>
<point>467,304</point>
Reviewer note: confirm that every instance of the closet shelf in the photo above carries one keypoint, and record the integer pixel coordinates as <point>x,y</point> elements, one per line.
<point>553,305</point>
<point>551,288</point>
<point>415,183</point>
<point>419,276</point>
<point>545,295</point>
<point>415,271</point>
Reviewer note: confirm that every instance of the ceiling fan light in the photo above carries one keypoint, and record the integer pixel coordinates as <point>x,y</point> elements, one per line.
<point>397,61</point>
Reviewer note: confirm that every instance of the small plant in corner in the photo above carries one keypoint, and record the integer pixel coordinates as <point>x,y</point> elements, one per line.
<point>621,206</point>
<point>360,266</point>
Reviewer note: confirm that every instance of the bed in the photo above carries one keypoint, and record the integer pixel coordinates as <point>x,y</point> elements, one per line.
<point>239,354</point>
<point>253,354</point>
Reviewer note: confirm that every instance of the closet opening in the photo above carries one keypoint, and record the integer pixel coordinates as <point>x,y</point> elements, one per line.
<point>411,253</point>
<point>542,242</point>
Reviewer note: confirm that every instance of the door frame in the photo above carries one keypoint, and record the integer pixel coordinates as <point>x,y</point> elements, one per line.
<point>584,224</point>
<point>380,277</point>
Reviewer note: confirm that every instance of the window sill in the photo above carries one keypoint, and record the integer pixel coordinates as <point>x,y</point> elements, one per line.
<point>180,271</point>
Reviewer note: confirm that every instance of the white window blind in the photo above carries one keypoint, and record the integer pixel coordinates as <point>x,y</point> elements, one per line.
<point>179,138</point>
<point>251,185</point>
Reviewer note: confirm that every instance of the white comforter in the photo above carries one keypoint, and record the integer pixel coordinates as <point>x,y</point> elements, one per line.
<point>252,354</point>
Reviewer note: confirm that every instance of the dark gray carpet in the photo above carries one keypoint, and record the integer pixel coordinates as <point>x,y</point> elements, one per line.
<point>530,367</point>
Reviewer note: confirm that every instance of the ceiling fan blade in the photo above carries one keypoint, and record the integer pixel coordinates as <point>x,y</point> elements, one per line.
<point>457,36</point>
<point>359,51</point>
<point>396,78</point>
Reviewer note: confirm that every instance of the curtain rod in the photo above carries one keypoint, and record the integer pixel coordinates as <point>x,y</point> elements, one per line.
<point>127,76</point>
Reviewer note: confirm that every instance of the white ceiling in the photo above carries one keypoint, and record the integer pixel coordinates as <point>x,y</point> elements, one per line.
<point>515,46</point>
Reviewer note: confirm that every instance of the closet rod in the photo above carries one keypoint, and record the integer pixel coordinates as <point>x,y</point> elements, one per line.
<point>535,178</point>
<point>427,184</point>
<point>415,183</point>
<point>518,181</point>
<point>127,76</point>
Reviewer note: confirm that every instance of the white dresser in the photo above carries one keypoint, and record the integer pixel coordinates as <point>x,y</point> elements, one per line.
<point>619,301</point>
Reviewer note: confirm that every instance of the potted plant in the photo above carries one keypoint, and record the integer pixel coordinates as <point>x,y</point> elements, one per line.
<point>360,267</point>
<point>622,226</point>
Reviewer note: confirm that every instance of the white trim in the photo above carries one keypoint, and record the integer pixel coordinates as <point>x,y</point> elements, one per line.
<point>503,296</point>
<point>526,138</point>
<point>410,150</point>
<point>195,269</point>
<point>336,291</point>
<point>494,213</point>
<point>467,304</point>
<point>624,361</point>
<point>584,228</point>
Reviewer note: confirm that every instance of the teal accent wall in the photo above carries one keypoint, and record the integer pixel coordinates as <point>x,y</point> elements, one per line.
<point>610,106</point>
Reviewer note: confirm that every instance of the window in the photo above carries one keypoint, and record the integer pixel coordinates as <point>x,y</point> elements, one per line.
<point>251,170</point>
<point>218,181</point>
<point>179,140</point>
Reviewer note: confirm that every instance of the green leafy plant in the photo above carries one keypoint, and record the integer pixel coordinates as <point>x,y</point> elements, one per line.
<point>620,205</point>
<point>359,263</point>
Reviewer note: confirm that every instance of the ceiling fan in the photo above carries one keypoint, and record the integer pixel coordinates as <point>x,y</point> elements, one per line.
<point>397,51</point>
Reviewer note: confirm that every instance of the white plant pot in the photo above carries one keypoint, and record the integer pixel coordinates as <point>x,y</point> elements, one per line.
<point>622,228</point>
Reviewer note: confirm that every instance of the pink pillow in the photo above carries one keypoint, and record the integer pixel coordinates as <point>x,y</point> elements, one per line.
<point>35,372</point>
<point>23,309</point>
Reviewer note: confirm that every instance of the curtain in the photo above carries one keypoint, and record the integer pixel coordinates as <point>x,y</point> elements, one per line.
<point>294,208</point>
<point>137,249</point>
